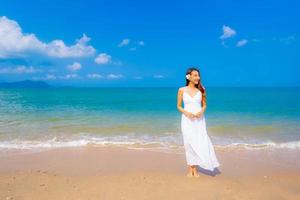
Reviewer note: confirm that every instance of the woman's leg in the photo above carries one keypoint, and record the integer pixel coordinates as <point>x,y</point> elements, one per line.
<point>190,171</point>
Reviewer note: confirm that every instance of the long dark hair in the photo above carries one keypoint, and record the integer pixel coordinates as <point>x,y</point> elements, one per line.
<point>199,85</point>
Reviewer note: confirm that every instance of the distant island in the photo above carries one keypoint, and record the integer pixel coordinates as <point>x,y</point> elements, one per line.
<point>25,84</point>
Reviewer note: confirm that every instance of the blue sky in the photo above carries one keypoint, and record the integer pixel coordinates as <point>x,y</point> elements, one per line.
<point>150,43</point>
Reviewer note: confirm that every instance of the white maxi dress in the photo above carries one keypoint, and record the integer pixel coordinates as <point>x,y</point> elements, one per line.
<point>198,146</point>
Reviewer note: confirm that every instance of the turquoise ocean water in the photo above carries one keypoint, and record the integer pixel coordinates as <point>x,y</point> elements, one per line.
<point>251,118</point>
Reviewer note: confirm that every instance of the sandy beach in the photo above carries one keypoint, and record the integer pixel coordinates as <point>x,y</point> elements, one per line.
<point>121,173</point>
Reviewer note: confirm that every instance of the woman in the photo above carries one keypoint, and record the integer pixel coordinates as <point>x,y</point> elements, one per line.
<point>198,147</point>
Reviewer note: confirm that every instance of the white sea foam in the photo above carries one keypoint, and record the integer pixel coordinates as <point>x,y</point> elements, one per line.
<point>264,145</point>
<point>166,143</point>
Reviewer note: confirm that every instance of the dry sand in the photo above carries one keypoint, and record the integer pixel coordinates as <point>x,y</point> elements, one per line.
<point>121,173</point>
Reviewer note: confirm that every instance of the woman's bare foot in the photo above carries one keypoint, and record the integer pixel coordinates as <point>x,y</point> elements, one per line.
<point>189,174</point>
<point>195,172</point>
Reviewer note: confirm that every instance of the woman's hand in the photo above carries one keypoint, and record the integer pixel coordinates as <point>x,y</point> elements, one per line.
<point>199,114</point>
<point>189,115</point>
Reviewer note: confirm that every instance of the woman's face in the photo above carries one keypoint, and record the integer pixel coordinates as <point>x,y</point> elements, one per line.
<point>194,77</point>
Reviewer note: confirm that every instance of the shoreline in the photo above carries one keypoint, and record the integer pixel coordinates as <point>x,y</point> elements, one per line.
<point>94,172</point>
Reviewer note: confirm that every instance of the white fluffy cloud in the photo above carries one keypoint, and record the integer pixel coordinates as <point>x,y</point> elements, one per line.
<point>76,76</point>
<point>70,76</point>
<point>227,32</point>
<point>14,43</point>
<point>58,77</point>
<point>75,66</point>
<point>242,43</point>
<point>109,76</point>
<point>19,70</point>
<point>94,76</point>
<point>99,76</point>
<point>124,42</point>
<point>103,58</point>
<point>114,76</point>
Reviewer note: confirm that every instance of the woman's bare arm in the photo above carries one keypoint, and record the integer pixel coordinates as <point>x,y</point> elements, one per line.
<point>204,102</point>
<point>179,100</point>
